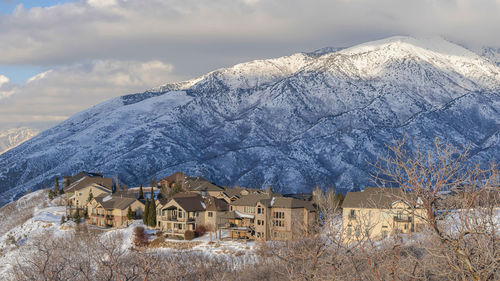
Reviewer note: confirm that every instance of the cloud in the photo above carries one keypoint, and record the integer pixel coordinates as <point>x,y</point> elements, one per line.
<point>102,48</point>
<point>54,95</point>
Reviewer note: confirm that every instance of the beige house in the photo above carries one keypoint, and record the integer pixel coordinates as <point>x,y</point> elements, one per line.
<point>108,210</point>
<point>82,184</point>
<point>181,213</point>
<point>264,216</point>
<point>376,213</point>
<point>186,210</point>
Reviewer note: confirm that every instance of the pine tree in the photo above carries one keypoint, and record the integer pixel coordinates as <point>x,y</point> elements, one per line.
<point>56,186</point>
<point>145,214</point>
<point>152,214</point>
<point>153,182</point>
<point>130,215</point>
<point>141,193</point>
<point>152,197</point>
<point>91,196</point>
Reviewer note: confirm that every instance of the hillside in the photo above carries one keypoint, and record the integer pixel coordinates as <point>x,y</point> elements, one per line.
<point>292,122</point>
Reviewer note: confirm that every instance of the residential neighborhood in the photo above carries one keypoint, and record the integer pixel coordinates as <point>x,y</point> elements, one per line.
<point>182,204</point>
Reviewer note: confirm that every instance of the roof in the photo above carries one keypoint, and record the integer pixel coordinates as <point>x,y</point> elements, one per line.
<point>236,215</point>
<point>201,184</point>
<point>177,176</point>
<point>106,183</point>
<point>112,201</point>
<point>252,199</point>
<point>215,204</point>
<point>237,191</point>
<point>82,174</point>
<point>287,202</point>
<point>190,203</point>
<point>373,197</point>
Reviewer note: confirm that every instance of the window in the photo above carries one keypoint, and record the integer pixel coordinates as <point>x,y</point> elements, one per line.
<point>210,214</point>
<point>349,232</point>
<point>179,226</point>
<point>231,208</point>
<point>260,210</point>
<point>179,212</point>
<point>279,215</point>
<point>352,214</point>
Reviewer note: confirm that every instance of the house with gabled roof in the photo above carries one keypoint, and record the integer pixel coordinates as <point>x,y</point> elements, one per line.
<point>375,213</point>
<point>110,210</point>
<point>269,216</point>
<point>78,191</point>
<point>186,210</point>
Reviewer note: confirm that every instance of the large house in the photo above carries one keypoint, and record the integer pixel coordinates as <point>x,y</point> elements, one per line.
<point>186,210</point>
<point>110,210</point>
<point>376,213</point>
<point>80,186</point>
<point>268,216</point>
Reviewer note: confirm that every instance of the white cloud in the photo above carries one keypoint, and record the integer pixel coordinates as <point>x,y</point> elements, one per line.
<point>102,48</point>
<point>54,95</point>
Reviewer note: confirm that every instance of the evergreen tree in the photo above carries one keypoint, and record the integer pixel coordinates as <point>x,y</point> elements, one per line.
<point>76,216</point>
<point>145,214</point>
<point>56,186</point>
<point>141,193</point>
<point>153,183</point>
<point>130,215</point>
<point>91,196</point>
<point>152,197</point>
<point>152,214</point>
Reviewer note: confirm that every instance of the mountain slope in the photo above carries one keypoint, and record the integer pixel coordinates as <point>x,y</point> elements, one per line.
<point>13,137</point>
<point>292,122</point>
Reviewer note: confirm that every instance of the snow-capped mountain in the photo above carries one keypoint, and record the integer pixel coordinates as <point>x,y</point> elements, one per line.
<point>13,137</point>
<point>293,122</point>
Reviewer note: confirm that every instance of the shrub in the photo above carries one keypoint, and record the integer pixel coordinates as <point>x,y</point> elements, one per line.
<point>200,230</point>
<point>189,235</point>
<point>140,237</point>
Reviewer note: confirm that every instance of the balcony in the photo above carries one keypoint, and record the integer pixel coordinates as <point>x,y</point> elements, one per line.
<point>402,219</point>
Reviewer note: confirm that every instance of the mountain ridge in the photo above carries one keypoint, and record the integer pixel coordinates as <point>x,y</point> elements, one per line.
<point>293,122</point>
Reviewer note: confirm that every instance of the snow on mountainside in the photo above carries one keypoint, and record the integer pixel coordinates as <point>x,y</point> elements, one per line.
<point>293,122</point>
<point>13,137</point>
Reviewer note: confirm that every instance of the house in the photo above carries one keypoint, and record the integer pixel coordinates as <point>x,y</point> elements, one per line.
<point>268,216</point>
<point>82,185</point>
<point>376,213</point>
<point>180,213</point>
<point>186,210</point>
<point>110,210</point>
<point>78,192</point>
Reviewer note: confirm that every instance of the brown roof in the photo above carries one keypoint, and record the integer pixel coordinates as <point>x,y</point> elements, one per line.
<point>108,201</point>
<point>178,176</point>
<point>252,199</point>
<point>236,191</point>
<point>373,197</point>
<point>190,203</point>
<point>287,202</point>
<point>201,184</point>
<point>106,183</point>
<point>215,204</point>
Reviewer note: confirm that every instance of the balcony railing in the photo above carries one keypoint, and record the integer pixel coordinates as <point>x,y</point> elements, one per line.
<point>402,219</point>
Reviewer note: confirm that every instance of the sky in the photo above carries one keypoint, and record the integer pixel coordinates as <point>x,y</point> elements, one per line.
<point>60,57</point>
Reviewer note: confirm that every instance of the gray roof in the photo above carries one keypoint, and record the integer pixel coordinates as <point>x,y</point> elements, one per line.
<point>287,202</point>
<point>252,199</point>
<point>201,184</point>
<point>115,201</point>
<point>373,197</point>
<point>105,183</point>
